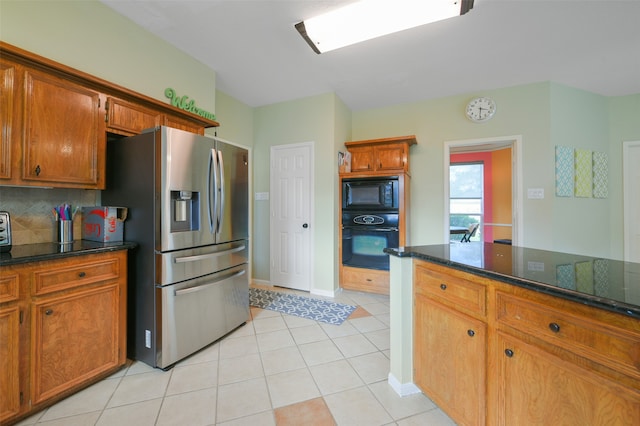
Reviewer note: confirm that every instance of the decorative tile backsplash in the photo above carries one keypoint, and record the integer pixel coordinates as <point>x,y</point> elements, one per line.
<point>30,210</point>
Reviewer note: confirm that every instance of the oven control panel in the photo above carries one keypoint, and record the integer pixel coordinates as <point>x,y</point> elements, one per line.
<point>5,232</point>
<point>367,219</point>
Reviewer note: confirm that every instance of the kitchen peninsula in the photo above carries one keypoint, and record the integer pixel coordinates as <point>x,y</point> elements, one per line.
<point>498,334</point>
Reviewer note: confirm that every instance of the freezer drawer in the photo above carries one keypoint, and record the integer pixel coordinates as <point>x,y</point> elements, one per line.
<point>173,267</point>
<point>198,312</point>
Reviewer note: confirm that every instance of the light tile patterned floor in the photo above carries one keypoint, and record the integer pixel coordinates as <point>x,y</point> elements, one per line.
<point>275,370</point>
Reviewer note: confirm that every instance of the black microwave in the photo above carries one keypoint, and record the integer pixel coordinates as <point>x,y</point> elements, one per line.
<point>360,194</point>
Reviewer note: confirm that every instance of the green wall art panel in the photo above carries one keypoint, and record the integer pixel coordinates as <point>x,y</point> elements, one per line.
<point>564,171</point>
<point>600,173</point>
<point>583,173</point>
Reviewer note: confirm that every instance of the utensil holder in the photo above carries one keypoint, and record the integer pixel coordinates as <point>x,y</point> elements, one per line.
<point>65,231</point>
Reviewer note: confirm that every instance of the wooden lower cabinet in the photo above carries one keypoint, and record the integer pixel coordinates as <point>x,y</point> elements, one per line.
<point>449,356</point>
<point>9,362</point>
<point>536,387</point>
<point>66,331</point>
<point>74,338</point>
<point>529,359</point>
<point>366,280</point>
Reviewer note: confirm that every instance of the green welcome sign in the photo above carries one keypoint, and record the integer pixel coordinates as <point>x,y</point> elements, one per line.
<point>183,102</point>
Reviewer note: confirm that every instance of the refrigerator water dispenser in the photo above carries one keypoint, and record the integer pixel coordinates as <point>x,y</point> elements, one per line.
<point>184,211</point>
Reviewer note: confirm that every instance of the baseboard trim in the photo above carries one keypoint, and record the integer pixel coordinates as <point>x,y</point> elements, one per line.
<point>402,389</point>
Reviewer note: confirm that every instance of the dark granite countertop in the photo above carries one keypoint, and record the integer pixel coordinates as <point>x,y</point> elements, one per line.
<point>604,283</point>
<point>48,251</point>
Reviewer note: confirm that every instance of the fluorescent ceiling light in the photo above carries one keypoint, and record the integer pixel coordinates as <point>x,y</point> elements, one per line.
<point>367,19</point>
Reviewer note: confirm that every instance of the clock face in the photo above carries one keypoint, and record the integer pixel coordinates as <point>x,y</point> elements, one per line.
<point>481,109</point>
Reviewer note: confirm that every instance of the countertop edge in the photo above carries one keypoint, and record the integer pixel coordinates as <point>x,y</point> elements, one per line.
<point>582,298</point>
<point>79,248</point>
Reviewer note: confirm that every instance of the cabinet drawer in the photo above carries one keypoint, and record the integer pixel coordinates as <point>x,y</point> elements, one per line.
<point>9,288</point>
<point>70,275</point>
<point>451,290</point>
<point>367,280</point>
<point>608,345</point>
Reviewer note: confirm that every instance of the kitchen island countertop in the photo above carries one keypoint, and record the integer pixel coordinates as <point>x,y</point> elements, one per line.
<point>603,283</point>
<point>47,251</point>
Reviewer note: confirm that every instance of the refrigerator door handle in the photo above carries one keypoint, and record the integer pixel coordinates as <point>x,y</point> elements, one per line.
<point>204,287</point>
<point>221,186</point>
<point>207,256</point>
<point>212,191</point>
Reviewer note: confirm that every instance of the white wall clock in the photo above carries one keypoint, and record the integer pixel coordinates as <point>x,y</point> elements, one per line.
<point>481,109</point>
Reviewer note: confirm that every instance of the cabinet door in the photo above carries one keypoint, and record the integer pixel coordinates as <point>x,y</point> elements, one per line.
<point>8,97</point>
<point>64,137</point>
<point>130,119</point>
<point>535,387</point>
<point>362,159</point>
<point>450,360</point>
<point>390,157</point>
<point>9,361</point>
<point>75,336</point>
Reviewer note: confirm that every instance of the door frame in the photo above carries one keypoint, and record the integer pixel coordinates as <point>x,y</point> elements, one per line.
<point>626,185</point>
<point>490,144</point>
<point>272,200</point>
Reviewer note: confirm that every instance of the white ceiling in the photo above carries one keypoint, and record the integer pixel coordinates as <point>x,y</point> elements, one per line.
<point>260,59</point>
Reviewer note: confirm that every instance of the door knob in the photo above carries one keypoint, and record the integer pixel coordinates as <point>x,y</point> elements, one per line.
<point>305,225</point>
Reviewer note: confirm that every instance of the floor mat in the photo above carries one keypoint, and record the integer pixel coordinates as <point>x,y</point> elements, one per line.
<point>300,306</point>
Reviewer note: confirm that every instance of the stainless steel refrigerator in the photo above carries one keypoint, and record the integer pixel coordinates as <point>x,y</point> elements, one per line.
<point>187,197</point>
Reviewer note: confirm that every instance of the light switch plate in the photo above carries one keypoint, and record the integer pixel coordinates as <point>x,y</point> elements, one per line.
<point>535,193</point>
<point>260,196</point>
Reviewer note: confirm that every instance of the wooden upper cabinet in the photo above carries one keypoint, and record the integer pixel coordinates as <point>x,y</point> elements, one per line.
<point>182,124</point>
<point>126,118</point>
<point>64,135</point>
<point>54,121</point>
<point>387,155</point>
<point>8,88</point>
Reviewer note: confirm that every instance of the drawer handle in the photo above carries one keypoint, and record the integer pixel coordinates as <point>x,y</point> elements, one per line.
<point>48,312</point>
<point>82,274</point>
<point>443,286</point>
<point>554,327</point>
<point>508,352</point>
<point>471,333</point>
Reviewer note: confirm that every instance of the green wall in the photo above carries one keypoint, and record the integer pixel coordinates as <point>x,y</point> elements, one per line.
<point>323,120</point>
<point>91,37</point>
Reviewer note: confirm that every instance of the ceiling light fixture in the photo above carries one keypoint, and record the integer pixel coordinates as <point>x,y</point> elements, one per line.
<point>367,19</point>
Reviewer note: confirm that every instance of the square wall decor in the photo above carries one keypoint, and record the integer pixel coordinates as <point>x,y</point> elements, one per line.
<point>564,171</point>
<point>584,173</point>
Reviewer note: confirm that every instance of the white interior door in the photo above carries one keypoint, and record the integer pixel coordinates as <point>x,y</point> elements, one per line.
<point>631,171</point>
<point>291,222</point>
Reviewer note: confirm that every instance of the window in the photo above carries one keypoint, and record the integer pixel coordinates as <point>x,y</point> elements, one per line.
<point>466,182</point>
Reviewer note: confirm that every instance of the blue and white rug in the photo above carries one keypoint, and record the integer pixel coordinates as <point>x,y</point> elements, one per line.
<point>300,306</point>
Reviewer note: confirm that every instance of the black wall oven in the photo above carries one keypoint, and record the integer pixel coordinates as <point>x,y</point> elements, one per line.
<point>379,194</point>
<point>364,237</point>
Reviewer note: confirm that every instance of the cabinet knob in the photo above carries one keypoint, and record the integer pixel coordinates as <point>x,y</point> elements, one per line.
<point>38,170</point>
<point>471,333</point>
<point>554,327</point>
<point>508,352</point>
<point>443,286</point>
<point>82,274</point>
<point>48,312</point>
